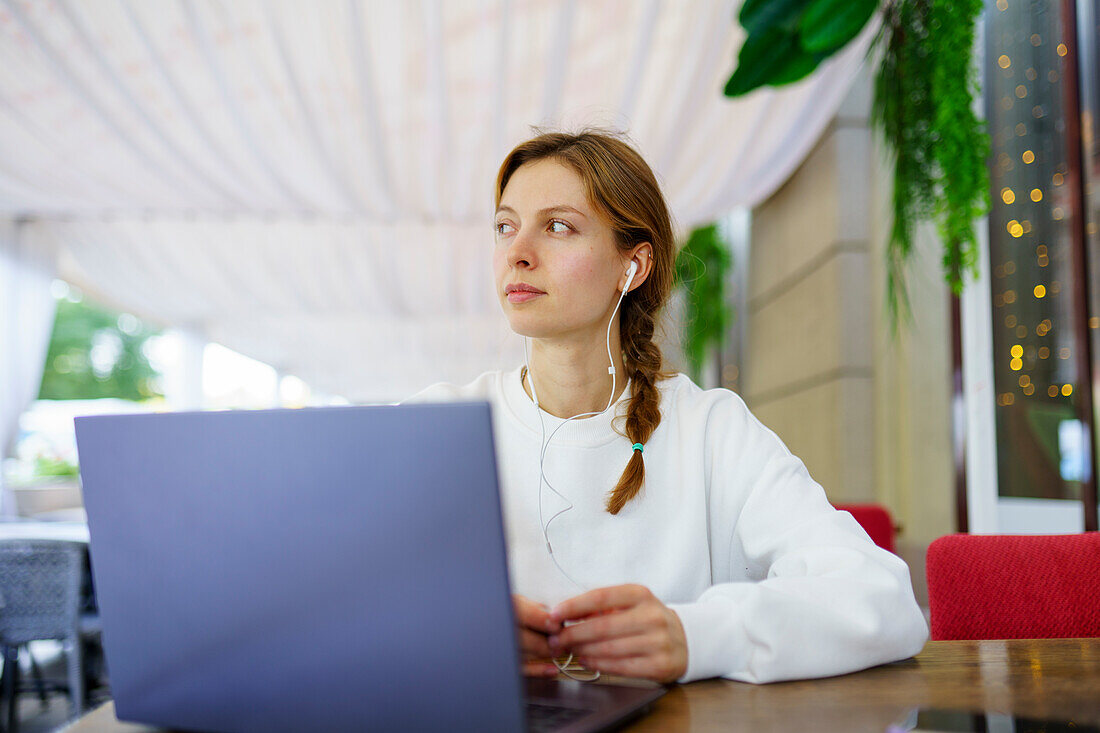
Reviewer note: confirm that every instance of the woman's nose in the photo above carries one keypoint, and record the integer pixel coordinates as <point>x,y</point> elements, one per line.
<point>521,251</point>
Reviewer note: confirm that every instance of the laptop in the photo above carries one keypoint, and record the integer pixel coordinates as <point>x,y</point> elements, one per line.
<point>318,569</point>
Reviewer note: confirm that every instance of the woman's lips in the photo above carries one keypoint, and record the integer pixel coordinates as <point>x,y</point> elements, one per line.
<point>522,296</point>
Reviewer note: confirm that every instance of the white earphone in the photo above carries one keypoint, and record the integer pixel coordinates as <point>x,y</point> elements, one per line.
<point>630,273</point>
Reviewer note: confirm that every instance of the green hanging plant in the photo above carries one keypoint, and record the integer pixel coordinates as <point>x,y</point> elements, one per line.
<point>702,265</point>
<point>923,107</point>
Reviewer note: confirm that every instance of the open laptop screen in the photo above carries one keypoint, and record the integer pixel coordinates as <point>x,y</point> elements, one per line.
<point>317,569</point>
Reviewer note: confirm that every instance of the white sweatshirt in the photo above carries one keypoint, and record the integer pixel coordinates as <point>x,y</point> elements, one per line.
<point>729,530</point>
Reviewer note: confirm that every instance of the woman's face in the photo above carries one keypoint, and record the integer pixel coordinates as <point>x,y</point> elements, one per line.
<point>551,244</point>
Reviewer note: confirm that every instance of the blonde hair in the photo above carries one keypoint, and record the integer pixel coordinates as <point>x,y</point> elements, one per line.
<point>622,188</point>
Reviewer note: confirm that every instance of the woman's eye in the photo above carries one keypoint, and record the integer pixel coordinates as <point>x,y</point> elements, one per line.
<point>563,227</point>
<point>503,227</point>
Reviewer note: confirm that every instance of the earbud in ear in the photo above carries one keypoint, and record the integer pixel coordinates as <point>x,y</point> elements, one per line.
<point>630,273</point>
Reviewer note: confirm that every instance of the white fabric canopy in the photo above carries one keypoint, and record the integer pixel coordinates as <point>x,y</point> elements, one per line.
<point>312,184</point>
<point>26,317</point>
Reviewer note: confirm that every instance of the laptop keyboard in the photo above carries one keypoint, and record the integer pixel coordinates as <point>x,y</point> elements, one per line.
<point>550,717</point>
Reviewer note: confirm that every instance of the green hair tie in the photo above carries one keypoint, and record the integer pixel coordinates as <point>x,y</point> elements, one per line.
<point>638,447</point>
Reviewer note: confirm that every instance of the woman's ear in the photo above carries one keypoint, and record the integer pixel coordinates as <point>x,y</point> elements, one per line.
<point>642,255</point>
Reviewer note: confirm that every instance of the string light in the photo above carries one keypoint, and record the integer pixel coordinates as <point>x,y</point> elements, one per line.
<point>1023,325</point>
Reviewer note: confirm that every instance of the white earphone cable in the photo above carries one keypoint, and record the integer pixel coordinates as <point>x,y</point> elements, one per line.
<point>544,446</point>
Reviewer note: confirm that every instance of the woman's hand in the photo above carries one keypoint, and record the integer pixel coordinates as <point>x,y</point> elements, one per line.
<point>622,630</point>
<point>535,625</point>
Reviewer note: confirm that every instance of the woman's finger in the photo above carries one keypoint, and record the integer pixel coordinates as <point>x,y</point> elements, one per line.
<point>539,669</point>
<point>656,668</point>
<point>533,615</point>
<point>640,645</point>
<point>534,644</point>
<point>608,626</point>
<point>600,600</point>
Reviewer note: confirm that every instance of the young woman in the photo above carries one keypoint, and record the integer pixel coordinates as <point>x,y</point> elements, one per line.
<point>654,529</point>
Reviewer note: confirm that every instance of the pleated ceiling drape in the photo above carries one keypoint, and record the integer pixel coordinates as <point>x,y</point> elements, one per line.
<point>311,184</point>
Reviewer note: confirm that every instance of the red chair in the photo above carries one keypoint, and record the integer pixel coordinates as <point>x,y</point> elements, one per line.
<point>1014,586</point>
<point>875,520</point>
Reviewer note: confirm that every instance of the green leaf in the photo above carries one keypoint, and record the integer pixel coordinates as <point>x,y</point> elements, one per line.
<point>762,57</point>
<point>799,65</point>
<point>761,15</point>
<point>827,25</point>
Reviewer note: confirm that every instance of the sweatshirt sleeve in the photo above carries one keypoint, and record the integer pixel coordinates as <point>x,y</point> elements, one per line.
<point>807,593</point>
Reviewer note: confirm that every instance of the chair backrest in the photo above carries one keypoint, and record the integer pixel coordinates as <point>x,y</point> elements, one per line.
<point>1014,586</point>
<point>875,520</point>
<point>39,589</point>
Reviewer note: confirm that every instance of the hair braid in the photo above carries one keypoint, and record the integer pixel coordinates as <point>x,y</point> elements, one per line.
<point>642,359</point>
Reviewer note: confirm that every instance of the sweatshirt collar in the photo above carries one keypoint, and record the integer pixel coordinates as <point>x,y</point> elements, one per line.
<point>583,432</point>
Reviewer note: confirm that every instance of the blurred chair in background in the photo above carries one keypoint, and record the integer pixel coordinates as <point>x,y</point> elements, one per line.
<point>875,520</point>
<point>40,593</point>
<point>1014,586</point>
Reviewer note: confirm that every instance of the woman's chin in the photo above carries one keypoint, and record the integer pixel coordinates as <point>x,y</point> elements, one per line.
<point>533,328</point>
<point>531,331</point>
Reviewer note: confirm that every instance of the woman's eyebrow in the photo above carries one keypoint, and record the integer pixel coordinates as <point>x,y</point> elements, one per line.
<point>560,208</point>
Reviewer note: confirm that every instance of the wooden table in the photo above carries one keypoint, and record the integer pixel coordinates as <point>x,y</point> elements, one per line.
<point>1054,678</point>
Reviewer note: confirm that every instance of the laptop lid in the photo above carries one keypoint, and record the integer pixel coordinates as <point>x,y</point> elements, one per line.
<point>318,569</point>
